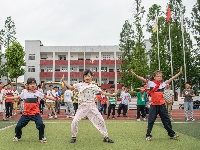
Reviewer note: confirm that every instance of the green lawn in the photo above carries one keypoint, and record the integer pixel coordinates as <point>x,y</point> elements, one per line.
<point>128,135</point>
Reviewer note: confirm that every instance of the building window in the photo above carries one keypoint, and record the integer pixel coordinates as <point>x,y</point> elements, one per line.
<point>61,57</point>
<point>104,81</point>
<point>43,56</point>
<point>64,69</point>
<point>103,69</point>
<point>111,82</point>
<point>74,69</point>
<point>111,70</point>
<point>73,81</point>
<point>31,57</point>
<point>106,57</point>
<point>94,69</point>
<point>31,68</point>
<point>94,80</point>
<point>49,69</point>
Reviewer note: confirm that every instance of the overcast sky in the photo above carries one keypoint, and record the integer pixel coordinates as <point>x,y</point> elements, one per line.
<point>73,22</point>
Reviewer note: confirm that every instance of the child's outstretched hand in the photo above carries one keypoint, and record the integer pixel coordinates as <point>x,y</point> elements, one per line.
<point>62,79</point>
<point>133,72</point>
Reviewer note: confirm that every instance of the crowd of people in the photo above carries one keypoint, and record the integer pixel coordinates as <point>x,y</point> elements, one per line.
<point>87,100</point>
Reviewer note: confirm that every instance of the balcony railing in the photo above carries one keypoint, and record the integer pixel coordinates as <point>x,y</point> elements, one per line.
<point>46,62</point>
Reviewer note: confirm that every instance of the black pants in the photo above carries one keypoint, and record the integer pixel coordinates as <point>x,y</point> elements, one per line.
<point>111,107</point>
<point>124,107</point>
<point>140,108</point>
<point>162,111</point>
<point>23,121</point>
<point>103,108</point>
<point>9,108</point>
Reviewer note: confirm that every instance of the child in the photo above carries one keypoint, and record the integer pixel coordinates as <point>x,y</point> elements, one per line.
<point>157,103</point>
<point>125,98</point>
<point>75,100</point>
<point>68,95</point>
<point>112,102</point>
<point>188,93</point>
<point>51,104</point>
<point>168,96</point>
<point>15,103</point>
<point>103,103</point>
<point>141,102</point>
<point>87,92</point>
<point>31,110</point>
<point>21,100</point>
<point>9,102</point>
<point>2,101</point>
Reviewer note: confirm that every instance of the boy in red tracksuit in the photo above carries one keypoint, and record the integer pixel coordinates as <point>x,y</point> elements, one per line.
<point>157,87</point>
<point>31,110</point>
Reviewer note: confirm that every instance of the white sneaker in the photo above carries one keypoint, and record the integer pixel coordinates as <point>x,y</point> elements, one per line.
<point>15,139</point>
<point>144,119</point>
<point>55,116</point>
<point>187,119</point>
<point>67,116</point>
<point>192,119</point>
<point>50,117</point>
<point>138,120</point>
<point>44,140</point>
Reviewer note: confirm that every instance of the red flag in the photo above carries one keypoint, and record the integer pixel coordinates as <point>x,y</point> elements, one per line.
<point>168,14</point>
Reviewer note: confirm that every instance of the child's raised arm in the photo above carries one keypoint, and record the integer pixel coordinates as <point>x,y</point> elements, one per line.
<point>175,76</point>
<point>107,94</point>
<point>68,85</point>
<point>139,77</point>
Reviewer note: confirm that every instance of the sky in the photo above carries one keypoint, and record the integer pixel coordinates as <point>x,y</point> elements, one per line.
<point>74,22</point>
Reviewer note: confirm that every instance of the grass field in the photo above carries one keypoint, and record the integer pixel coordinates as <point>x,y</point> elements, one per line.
<point>128,135</point>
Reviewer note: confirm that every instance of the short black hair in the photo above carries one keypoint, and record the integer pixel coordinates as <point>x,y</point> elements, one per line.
<point>39,86</point>
<point>112,86</point>
<point>188,83</point>
<point>86,72</point>
<point>31,80</point>
<point>50,85</point>
<point>23,86</point>
<point>14,85</point>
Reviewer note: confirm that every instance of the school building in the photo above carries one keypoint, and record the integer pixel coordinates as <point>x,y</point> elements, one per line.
<point>49,63</point>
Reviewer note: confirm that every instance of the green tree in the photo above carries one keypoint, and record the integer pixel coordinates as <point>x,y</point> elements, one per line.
<point>195,26</point>
<point>15,60</point>
<point>133,46</point>
<point>7,35</point>
<point>139,53</point>
<point>126,46</point>
<point>177,9</point>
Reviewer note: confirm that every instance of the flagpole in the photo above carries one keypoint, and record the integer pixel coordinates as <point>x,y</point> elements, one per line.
<point>158,43</point>
<point>170,48</point>
<point>182,29</point>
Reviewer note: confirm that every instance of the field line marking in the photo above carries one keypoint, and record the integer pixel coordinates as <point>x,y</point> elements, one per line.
<point>7,127</point>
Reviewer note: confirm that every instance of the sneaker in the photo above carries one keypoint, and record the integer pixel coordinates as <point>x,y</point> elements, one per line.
<point>113,117</point>
<point>73,140</point>
<point>50,117</point>
<point>108,117</point>
<point>144,119</point>
<point>148,138</point>
<point>15,114</point>
<point>15,139</point>
<point>171,119</point>
<point>106,139</point>
<point>44,140</point>
<point>192,119</point>
<point>118,116</point>
<point>67,116</point>
<point>138,120</point>
<point>187,119</point>
<point>55,116</point>
<point>175,137</point>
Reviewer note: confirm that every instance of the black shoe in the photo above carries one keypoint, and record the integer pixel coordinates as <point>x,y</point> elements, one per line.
<point>113,117</point>
<point>73,140</point>
<point>118,116</point>
<point>108,140</point>
<point>105,114</point>
<point>125,116</point>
